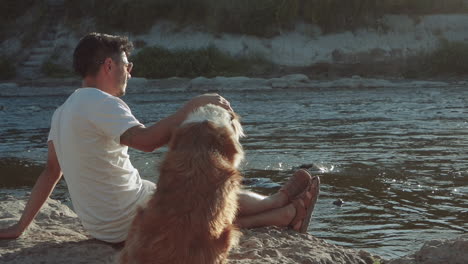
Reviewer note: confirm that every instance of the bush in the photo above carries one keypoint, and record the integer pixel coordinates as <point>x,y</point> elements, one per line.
<point>12,9</point>
<point>54,70</point>
<point>25,17</point>
<point>449,59</point>
<point>7,69</point>
<point>260,17</point>
<point>157,62</point>
<point>336,15</point>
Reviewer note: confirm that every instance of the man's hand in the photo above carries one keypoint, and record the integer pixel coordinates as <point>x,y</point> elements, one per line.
<point>11,232</point>
<point>205,99</point>
<point>41,191</point>
<point>150,138</point>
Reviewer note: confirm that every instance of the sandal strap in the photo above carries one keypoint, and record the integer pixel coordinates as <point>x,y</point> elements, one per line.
<point>300,212</point>
<point>296,185</point>
<point>305,203</point>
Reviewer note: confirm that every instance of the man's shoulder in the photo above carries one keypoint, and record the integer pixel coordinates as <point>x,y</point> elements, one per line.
<point>92,93</point>
<point>93,97</point>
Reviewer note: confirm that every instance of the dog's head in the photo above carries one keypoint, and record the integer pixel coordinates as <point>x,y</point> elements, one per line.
<point>211,128</point>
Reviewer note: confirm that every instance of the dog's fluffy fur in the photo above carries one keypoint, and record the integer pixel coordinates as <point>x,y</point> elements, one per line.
<point>190,217</point>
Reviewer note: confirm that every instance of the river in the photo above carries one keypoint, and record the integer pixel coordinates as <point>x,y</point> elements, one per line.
<point>397,157</point>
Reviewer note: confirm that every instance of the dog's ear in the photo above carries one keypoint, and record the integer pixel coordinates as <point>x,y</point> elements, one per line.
<point>232,149</point>
<point>225,141</point>
<point>235,123</point>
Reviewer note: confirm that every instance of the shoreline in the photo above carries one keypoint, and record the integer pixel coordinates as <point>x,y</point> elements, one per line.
<point>65,86</point>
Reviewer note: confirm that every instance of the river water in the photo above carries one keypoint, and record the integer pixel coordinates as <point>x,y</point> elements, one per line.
<point>397,157</point>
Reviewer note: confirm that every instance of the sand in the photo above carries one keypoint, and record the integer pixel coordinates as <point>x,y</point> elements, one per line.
<point>56,236</point>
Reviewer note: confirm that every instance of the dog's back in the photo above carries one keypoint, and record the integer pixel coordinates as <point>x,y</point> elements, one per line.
<point>190,217</point>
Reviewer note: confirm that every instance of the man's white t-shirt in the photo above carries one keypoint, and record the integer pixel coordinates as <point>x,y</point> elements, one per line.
<point>104,187</point>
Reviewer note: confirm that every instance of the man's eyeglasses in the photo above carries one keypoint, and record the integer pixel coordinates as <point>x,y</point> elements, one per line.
<point>128,65</point>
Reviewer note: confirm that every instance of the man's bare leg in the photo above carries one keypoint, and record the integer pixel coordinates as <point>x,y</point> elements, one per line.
<point>251,203</point>
<point>256,210</point>
<point>281,217</point>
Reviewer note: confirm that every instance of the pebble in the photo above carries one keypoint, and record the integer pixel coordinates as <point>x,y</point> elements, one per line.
<point>339,202</point>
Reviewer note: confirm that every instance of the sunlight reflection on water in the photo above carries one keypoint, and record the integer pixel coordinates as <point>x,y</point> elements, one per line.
<point>396,157</point>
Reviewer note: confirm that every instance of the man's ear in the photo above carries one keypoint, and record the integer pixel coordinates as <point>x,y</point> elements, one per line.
<point>108,64</point>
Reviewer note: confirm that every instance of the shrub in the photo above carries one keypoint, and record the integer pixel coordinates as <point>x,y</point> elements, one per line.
<point>7,69</point>
<point>12,9</point>
<point>54,70</point>
<point>25,17</point>
<point>259,17</point>
<point>157,62</point>
<point>448,59</point>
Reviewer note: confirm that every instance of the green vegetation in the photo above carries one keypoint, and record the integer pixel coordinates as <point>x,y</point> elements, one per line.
<point>33,15</point>
<point>7,69</point>
<point>55,70</point>
<point>259,17</point>
<point>11,9</point>
<point>264,18</point>
<point>449,59</point>
<point>157,62</point>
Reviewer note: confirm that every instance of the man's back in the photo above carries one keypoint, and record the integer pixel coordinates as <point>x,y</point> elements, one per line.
<point>104,186</point>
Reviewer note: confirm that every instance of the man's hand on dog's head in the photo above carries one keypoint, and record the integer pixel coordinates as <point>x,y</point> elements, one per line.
<point>205,99</point>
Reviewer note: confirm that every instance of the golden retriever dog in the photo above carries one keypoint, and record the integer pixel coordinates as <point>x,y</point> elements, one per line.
<point>189,219</point>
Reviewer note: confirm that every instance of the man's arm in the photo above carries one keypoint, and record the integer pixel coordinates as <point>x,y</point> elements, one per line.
<point>150,138</point>
<point>39,194</point>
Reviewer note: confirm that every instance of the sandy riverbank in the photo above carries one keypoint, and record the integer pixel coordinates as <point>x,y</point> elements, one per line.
<point>56,236</point>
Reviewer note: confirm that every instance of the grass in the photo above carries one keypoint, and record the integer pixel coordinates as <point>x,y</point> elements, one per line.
<point>158,62</point>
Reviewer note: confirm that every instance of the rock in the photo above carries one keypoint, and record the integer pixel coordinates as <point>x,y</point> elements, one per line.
<point>338,202</point>
<point>273,245</point>
<point>289,81</point>
<point>174,84</point>
<point>56,236</point>
<point>228,84</point>
<point>137,84</point>
<point>8,88</point>
<point>453,251</point>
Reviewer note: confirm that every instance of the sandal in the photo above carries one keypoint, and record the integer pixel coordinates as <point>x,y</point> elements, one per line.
<point>304,204</point>
<point>296,184</point>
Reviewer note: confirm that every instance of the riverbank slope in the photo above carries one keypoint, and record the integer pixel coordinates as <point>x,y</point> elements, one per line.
<point>402,46</point>
<point>56,236</point>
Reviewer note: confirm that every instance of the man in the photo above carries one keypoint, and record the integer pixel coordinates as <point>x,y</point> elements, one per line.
<point>88,142</point>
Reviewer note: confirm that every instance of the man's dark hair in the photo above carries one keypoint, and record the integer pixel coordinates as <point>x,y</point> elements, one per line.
<point>94,48</point>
